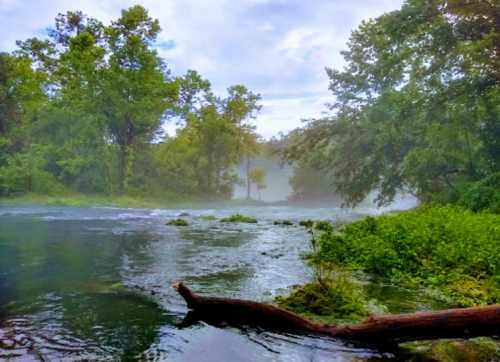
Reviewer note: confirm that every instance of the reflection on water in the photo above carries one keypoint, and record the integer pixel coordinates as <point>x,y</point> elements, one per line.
<point>94,283</point>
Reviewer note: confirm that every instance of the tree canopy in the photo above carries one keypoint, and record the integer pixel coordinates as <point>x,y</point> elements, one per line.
<point>416,106</point>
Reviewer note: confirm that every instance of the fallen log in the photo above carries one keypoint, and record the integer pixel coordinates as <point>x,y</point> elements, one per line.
<point>376,330</point>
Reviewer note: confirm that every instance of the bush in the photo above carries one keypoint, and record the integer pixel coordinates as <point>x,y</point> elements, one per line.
<point>450,248</point>
<point>482,195</point>
<point>240,218</point>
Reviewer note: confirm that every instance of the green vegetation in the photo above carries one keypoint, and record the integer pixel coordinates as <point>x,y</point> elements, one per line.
<point>482,195</point>
<point>416,107</point>
<point>477,349</point>
<point>306,223</point>
<point>323,226</point>
<point>74,199</point>
<point>82,112</point>
<point>283,222</point>
<point>328,301</point>
<point>239,218</point>
<point>177,222</point>
<point>438,247</point>
<point>208,218</point>
<point>257,176</point>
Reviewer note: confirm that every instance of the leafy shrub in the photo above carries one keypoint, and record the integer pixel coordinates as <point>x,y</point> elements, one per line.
<point>482,195</point>
<point>240,218</point>
<point>323,226</point>
<point>450,248</point>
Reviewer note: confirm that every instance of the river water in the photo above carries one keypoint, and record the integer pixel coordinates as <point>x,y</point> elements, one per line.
<point>95,283</point>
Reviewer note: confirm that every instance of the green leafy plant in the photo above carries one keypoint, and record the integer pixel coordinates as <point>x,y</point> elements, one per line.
<point>448,248</point>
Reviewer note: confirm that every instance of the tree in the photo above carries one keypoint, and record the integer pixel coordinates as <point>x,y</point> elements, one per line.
<point>240,107</point>
<point>416,105</point>
<point>108,87</point>
<point>136,90</point>
<point>257,176</point>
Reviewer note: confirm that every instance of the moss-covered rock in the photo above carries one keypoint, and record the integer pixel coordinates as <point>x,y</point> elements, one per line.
<point>473,350</point>
<point>283,222</point>
<point>177,222</point>
<point>208,218</point>
<point>306,223</point>
<point>330,301</point>
<point>239,218</point>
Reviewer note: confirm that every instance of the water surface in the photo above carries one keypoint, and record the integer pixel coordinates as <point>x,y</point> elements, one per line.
<point>94,283</point>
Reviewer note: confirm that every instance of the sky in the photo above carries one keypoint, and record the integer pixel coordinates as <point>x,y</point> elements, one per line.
<point>278,48</point>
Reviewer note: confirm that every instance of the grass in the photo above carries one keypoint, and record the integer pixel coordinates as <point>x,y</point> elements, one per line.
<point>240,218</point>
<point>73,199</point>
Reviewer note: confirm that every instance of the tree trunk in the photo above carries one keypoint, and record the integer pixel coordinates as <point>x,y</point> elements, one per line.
<point>374,331</point>
<point>122,167</point>
<point>249,183</point>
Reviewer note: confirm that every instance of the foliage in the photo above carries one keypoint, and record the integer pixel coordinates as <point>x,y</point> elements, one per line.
<point>442,247</point>
<point>307,223</point>
<point>417,105</point>
<point>323,226</point>
<point>482,195</point>
<point>239,218</point>
<point>257,176</point>
<point>177,222</point>
<point>330,301</point>
<point>83,109</point>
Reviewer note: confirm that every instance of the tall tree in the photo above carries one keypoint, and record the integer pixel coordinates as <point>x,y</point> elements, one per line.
<point>417,103</point>
<point>241,107</point>
<point>136,88</point>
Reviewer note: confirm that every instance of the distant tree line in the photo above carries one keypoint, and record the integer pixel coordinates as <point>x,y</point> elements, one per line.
<point>83,111</point>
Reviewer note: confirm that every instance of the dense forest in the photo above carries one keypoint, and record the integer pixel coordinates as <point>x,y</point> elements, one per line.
<point>416,110</point>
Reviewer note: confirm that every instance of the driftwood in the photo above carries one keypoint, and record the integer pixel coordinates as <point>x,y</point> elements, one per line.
<point>376,330</point>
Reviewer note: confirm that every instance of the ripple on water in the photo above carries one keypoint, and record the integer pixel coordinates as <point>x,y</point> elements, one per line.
<point>94,283</point>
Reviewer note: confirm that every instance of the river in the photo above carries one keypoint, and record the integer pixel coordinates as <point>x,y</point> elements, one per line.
<point>94,283</point>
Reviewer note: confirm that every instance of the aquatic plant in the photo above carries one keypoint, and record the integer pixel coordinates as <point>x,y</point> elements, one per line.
<point>177,222</point>
<point>208,217</point>
<point>239,218</point>
<point>323,226</point>
<point>283,222</point>
<point>330,300</point>
<point>306,223</point>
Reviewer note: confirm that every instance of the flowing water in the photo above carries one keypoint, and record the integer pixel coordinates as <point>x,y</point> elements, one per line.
<point>94,283</point>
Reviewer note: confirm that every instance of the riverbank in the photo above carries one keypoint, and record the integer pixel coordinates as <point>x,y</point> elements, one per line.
<point>126,201</point>
<point>448,256</point>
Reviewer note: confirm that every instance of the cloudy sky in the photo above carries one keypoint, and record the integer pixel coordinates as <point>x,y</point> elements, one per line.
<point>278,48</point>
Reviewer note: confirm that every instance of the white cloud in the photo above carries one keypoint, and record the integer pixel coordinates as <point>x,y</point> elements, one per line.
<point>278,48</point>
